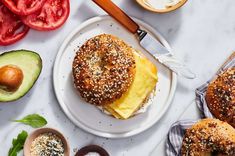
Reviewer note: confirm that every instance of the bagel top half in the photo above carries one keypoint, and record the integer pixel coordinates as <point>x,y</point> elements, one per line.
<point>220,96</point>
<point>103,69</point>
<point>209,137</point>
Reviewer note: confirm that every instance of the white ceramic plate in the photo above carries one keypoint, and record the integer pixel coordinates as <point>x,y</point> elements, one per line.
<point>87,116</point>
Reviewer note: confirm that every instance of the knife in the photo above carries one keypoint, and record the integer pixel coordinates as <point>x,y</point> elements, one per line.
<point>147,41</point>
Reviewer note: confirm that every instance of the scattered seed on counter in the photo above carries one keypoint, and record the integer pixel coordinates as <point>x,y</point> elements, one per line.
<point>47,144</point>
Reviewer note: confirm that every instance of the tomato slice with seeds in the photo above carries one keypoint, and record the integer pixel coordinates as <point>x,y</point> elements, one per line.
<point>23,7</point>
<point>11,27</point>
<point>51,16</point>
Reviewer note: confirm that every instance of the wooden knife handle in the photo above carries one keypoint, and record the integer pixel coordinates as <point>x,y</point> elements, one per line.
<point>118,14</point>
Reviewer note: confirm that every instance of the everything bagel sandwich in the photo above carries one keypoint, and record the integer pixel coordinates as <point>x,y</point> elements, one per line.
<point>110,74</point>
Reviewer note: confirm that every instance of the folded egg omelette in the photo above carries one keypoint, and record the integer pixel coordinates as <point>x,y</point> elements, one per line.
<point>142,86</point>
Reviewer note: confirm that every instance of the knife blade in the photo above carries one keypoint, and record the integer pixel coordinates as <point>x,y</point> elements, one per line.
<point>147,41</point>
<point>164,56</point>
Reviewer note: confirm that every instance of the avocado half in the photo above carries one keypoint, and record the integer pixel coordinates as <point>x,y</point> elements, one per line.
<point>31,65</point>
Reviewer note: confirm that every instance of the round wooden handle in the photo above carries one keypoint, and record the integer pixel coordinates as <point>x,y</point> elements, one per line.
<point>118,14</point>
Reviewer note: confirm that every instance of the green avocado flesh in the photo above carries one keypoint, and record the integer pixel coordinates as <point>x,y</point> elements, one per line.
<point>31,65</point>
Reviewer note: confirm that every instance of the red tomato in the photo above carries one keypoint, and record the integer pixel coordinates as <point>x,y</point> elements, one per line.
<point>23,7</point>
<point>52,15</point>
<point>11,27</point>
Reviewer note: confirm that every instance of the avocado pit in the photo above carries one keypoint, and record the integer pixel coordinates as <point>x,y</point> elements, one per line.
<point>11,78</point>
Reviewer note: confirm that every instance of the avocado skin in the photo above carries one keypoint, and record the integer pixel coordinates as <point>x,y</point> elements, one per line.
<point>36,78</point>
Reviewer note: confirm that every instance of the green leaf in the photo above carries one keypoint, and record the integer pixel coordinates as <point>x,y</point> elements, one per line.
<point>33,120</point>
<point>18,143</point>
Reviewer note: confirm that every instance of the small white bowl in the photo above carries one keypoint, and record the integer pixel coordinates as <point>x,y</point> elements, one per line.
<point>168,9</point>
<point>37,132</point>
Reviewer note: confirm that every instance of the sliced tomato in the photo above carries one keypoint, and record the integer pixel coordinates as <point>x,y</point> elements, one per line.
<point>23,7</point>
<point>52,15</point>
<point>11,27</point>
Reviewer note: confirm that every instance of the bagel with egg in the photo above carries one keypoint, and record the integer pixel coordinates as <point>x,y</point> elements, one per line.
<point>113,76</point>
<point>209,137</point>
<point>220,96</point>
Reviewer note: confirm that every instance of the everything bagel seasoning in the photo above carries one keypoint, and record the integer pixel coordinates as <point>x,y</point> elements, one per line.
<point>47,144</point>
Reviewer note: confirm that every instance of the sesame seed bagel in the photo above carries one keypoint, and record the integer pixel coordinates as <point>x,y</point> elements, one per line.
<point>220,96</point>
<point>103,69</point>
<point>209,137</point>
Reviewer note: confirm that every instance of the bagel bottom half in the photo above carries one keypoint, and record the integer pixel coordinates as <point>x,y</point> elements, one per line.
<point>209,137</point>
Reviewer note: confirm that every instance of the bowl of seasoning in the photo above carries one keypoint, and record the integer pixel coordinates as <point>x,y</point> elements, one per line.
<point>161,6</point>
<point>46,142</point>
<point>92,150</point>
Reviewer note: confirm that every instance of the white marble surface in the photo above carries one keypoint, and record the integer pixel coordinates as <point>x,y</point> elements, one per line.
<point>202,33</point>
